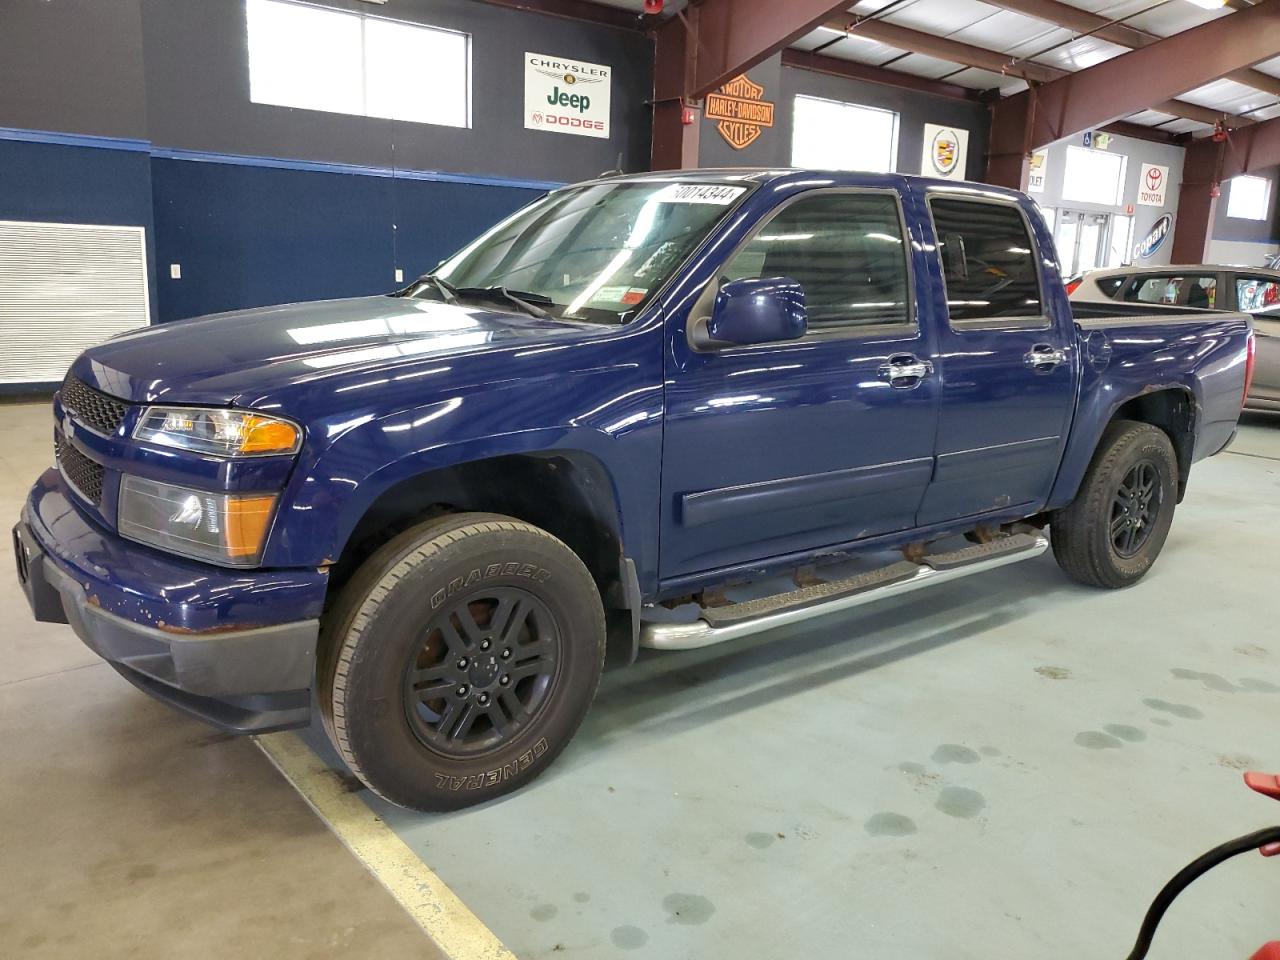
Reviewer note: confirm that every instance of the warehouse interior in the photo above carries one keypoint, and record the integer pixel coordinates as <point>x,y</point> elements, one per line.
<point>1004,766</point>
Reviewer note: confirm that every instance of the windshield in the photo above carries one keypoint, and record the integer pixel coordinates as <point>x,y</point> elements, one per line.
<point>595,252</point>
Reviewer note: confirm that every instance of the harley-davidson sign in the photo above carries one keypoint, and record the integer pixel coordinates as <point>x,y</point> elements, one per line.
<point>741,110</point>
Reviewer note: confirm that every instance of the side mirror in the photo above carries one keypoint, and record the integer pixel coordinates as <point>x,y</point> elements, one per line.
<point>753,311</point>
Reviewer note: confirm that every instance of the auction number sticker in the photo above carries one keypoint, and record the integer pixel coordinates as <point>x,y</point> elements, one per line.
<point>717,193</point>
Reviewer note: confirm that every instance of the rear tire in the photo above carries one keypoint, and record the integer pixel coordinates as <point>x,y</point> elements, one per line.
<point>459,660</point>
<point>1111,534</point>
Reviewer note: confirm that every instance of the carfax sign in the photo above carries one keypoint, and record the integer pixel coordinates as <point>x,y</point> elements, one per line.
<point>566,96</point>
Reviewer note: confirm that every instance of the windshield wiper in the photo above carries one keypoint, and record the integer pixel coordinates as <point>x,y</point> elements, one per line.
<point>520,298</point>
<point>447,292</point>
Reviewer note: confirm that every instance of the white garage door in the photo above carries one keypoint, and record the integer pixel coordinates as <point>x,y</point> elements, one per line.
<point>65,287</point>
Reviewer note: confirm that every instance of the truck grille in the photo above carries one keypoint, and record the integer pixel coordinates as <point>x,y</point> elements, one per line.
<point>84,475</point>
<point>98,411</point>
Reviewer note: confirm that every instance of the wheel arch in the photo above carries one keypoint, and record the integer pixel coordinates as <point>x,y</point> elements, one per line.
<point>1172,408</point>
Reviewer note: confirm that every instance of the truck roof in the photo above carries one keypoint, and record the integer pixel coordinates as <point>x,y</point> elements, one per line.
<point>760,175</point>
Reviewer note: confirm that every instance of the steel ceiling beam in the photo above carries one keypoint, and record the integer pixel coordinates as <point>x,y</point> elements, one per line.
<point>729,37</point>
<point>916,41</point>
<point>1126,84</point>
<point>1085,23</point>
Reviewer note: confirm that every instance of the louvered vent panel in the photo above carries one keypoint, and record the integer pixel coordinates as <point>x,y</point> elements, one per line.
<point>65,287</point>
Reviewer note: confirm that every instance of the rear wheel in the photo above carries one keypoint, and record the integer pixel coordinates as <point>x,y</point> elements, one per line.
<point>1111,534</point>
<point>460,660</point>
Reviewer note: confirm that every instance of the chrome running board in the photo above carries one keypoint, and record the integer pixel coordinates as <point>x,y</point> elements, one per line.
<point>718,624</point>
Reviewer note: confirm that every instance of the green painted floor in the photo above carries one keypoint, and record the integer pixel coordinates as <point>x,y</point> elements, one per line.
<point>1007,766</point>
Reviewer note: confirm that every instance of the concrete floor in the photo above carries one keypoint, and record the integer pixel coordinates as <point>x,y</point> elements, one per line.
<point>1008,766</point>
<point>129,831</point>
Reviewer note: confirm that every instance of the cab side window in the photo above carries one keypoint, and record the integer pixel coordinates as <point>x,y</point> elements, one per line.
<point>988,260</point>
<point>1199,292</point>
<point>848,252</point>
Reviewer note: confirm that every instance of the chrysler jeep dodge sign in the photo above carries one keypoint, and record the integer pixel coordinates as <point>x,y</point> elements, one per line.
<point>566,96</point>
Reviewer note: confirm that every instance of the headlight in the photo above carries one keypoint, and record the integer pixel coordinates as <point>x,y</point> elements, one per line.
<point>224,433</point>
<point>219,527</point>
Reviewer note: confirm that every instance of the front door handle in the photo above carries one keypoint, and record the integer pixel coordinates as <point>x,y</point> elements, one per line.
<point>1044,357</point>
<point>905,372</point>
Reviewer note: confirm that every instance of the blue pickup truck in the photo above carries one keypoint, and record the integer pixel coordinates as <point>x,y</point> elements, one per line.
<point>601,426</point>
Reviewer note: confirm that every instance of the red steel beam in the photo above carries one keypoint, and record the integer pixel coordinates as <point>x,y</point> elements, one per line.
<point>817,63</point>
<point>732,36</point>
<point>1136,80</point>
<point>1083,22</point>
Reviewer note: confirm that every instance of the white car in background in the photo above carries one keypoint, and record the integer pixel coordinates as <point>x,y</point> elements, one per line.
<point>1252,290</point>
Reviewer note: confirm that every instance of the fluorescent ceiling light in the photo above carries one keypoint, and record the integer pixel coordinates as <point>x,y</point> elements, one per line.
<point>1209,4</point>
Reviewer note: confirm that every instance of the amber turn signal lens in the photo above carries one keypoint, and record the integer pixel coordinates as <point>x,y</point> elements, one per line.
<point>268,435</point>
<point>246,525</point>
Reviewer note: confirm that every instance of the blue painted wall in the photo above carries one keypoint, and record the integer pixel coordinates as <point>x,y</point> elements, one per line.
<point>247,235</point>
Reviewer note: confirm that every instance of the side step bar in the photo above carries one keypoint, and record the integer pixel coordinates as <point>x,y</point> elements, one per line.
<point>718,624</point>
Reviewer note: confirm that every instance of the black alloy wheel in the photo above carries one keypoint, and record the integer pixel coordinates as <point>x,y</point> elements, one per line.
<point>485,668</point>
<point>1135,508</point>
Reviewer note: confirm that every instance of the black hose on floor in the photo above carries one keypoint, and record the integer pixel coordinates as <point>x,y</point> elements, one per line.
<point>1184,877</point>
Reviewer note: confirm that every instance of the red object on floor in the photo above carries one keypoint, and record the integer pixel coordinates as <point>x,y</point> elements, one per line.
<point>1269,951</point>
<point>1267,784</point>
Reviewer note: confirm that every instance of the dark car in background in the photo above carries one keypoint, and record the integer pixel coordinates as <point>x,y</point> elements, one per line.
<point>1252,290</point>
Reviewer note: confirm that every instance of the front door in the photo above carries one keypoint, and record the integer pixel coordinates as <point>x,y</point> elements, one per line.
<point>784,447</point>
<point>1007,362</point>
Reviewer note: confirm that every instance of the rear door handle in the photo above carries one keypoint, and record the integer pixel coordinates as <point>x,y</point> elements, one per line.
<point>1044,357</point>
<point>905,372</point>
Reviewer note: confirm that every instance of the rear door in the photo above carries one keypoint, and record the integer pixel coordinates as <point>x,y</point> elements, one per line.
<point>1259,295</point>
<point>1007,360</point>
<point>786,447</point>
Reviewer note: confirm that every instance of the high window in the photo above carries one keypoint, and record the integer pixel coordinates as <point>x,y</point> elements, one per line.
<point>321,59</point>
<point>1249,198</point>
<point>829,135</point>
<point>1094,176</point>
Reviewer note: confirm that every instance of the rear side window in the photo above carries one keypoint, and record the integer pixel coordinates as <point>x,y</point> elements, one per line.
<point>988,260</point>
<point>1110,286</point>
<point>845,249</point>
<point>1258,295</point>
<point>1199,292</point>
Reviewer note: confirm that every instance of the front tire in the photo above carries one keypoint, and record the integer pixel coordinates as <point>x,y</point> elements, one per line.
<point>1111,534</point>
<point>459,660</point>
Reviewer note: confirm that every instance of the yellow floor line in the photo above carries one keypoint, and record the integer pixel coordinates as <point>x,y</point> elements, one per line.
<point>445,919</point>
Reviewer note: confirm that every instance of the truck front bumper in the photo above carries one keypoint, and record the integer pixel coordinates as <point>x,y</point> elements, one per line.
<point>235,648</point>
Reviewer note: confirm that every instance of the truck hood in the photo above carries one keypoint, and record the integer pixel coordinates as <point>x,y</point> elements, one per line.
<point>250,354</point>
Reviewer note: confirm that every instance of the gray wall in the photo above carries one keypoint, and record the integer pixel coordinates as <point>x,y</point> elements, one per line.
<point>1138,152</point>
<point>783,83</point>
<point>175,72</point>
<point>1249,231</point>
<point>914,110</point>
<point>74,66</point>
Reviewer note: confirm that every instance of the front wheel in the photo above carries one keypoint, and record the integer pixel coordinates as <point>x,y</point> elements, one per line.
<point>460,660</point>
<point>1111,534</point>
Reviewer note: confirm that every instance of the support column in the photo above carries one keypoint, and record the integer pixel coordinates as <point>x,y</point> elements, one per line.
<point>1009,150</point>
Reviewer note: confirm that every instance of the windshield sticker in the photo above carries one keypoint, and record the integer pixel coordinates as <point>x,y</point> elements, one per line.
<point>715,193</point>
<point>625,295</point>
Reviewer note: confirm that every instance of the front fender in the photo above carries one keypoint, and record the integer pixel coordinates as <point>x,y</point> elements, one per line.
<point>618,426</point>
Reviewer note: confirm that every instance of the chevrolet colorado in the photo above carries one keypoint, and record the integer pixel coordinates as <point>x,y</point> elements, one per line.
<point>429,513</point>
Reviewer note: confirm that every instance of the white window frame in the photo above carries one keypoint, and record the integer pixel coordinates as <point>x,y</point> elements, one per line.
<point>853,110</point>
<point>273,98</point>
<point>1243,207</point>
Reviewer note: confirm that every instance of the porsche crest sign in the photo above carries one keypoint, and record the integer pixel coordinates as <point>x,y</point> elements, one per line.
<point>740,110</point>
